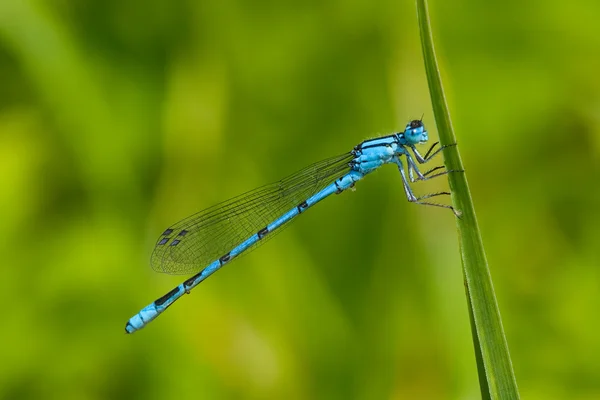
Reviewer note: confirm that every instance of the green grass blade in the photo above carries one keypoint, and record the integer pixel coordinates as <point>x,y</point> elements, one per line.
<point>496,375</point>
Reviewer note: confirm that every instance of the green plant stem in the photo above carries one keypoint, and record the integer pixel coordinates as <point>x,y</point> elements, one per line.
<point>497,380</point>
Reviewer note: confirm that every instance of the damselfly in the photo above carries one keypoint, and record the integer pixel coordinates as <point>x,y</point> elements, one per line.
<point>204,242</point>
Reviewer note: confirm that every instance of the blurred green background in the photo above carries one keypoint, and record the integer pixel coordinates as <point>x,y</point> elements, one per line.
<point>120,118</point>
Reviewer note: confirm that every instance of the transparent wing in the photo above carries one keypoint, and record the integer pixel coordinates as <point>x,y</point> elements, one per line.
<point>191,244</point>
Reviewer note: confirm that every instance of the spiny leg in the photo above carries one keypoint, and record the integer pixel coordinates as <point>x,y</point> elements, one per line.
<point>443,173</point>
<point>427,176</point>
<point>412,166</point>
<point>424,176</point>
<point>419,200</point>
<point>430,149</point>
<point>456,212</point>
<point>429,155</point>
<point>434,169</point>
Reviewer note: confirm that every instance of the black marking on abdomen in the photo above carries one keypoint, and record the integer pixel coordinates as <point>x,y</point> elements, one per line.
<point>225,258</point>
<point>163,241</point>
<point>167,232</point>
<point>175,242</point>
<point>183,233</point>
<point>166,297</point>
<point>191,280</point>
<point>263,232</point>
<point>339,189</point>
<point>302,206</point>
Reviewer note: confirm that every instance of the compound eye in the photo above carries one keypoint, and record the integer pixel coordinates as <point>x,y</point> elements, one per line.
<point>416,123</point>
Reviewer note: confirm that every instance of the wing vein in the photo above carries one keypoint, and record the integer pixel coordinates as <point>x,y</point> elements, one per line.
<point>214,231</point>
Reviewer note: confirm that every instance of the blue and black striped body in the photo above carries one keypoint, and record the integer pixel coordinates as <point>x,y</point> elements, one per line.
<point>206,241</point>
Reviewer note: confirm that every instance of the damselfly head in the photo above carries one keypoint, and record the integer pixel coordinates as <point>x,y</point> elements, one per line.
<point>415,132</point>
